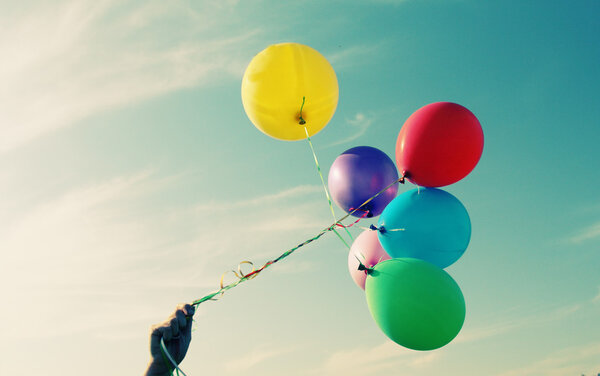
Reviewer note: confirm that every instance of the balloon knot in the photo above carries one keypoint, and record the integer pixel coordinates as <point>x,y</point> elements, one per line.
<point>405,175</point>
<point>381,229</point>
<point>361,266</point>
<point>301,121</point>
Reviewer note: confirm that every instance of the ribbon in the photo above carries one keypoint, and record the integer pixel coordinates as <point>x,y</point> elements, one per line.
<point>166,354</point>
<point>303,123</point>
<point>242,277</point>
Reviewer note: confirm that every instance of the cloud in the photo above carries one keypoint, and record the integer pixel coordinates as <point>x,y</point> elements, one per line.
<point>345,57</point>
<point>586,234</point>
<point>69,224</point>
<point>400,2</point>
<point>255,357</point>
<point>71,253</point>
<point>385,357</point>
<point>297,267</point>
<point>507,324</point>
<point>107,247</point>
<point>596,299</point>
<point>358,126</point>
<point>67,61</point>
<point>285,195</point>
<point>570,361</point>
<point>388,356</point>
<point>391,2</point>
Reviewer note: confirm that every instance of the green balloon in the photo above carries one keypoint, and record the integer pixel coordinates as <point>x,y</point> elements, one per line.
<point>415,303</point>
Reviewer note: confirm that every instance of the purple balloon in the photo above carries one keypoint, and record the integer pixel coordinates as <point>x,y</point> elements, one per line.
<point>357,175</point>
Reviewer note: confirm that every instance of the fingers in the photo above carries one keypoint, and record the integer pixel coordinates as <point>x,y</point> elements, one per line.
<point>163,330</point>
<point>179,321</point>
<point>185,315</point>
<point>187,309</point>
<point>177,329</point>
<point>156,333</point>
<point>174,326</point>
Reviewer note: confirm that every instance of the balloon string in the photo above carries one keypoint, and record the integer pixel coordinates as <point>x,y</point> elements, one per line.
<point>365,214</point>
<point>245,277</point>
<point>166,354</point>
<point>340,237</point>
<point>320,174</point>
<point>241,277</point>
<point>303,122</point>
<point>254,273</point>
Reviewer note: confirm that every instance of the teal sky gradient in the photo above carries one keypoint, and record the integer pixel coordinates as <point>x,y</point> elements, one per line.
<point>131,179</point>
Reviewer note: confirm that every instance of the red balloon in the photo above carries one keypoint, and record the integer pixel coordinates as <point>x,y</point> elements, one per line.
<point>439,144</point>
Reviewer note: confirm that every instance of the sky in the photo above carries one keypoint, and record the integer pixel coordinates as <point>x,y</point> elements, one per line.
<point>131,180</point>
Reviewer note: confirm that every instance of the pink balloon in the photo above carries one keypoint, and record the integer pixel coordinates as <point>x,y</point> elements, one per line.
<point>369,251</point>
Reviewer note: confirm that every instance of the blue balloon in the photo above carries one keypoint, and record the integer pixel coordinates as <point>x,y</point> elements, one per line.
<point>428,224</point>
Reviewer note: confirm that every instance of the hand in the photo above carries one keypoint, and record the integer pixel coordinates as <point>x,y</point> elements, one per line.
<point>177,334</point>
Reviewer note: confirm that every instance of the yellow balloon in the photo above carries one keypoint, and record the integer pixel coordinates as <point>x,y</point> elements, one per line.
<point>279,80</point>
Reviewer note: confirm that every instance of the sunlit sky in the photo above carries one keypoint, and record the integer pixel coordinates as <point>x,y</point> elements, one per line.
<point>131,179</point>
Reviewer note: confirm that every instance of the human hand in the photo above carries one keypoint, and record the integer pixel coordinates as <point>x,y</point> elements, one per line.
<point>176,332</point>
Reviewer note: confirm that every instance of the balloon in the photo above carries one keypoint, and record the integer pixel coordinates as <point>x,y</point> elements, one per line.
<point>428,224</point>
<point>275,83</point>
<point>416,304</point>
<point>357,175</point>
<point>366,249</point>
<point>439,144</point>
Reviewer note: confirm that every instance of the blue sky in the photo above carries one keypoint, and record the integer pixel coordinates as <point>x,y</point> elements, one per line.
<point>131,179</point>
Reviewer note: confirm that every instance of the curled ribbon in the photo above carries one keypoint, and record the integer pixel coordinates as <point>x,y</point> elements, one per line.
<point>241,276</point>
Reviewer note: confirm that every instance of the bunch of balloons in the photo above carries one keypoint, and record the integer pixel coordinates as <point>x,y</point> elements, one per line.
<point>290,92</point>
<point>399,263</point>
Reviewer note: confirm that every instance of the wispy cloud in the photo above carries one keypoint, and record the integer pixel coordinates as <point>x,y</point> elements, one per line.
<point>297,267</point>
<point>389,356</point>
<point>351,56</point>
<point>78,246</point>
<point>107,243</point>
<point>391,2</point>
<point>586,234</point>
<point>264,221</point>
<point>255,357</point>
<point>579,360</point>
<point>288,194</point>
<point>507,324</point>
<point>357,127</point>
<point>68,224</point>
<point>596,299</point>
<point>386,357</point>
<point>64,62</point>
